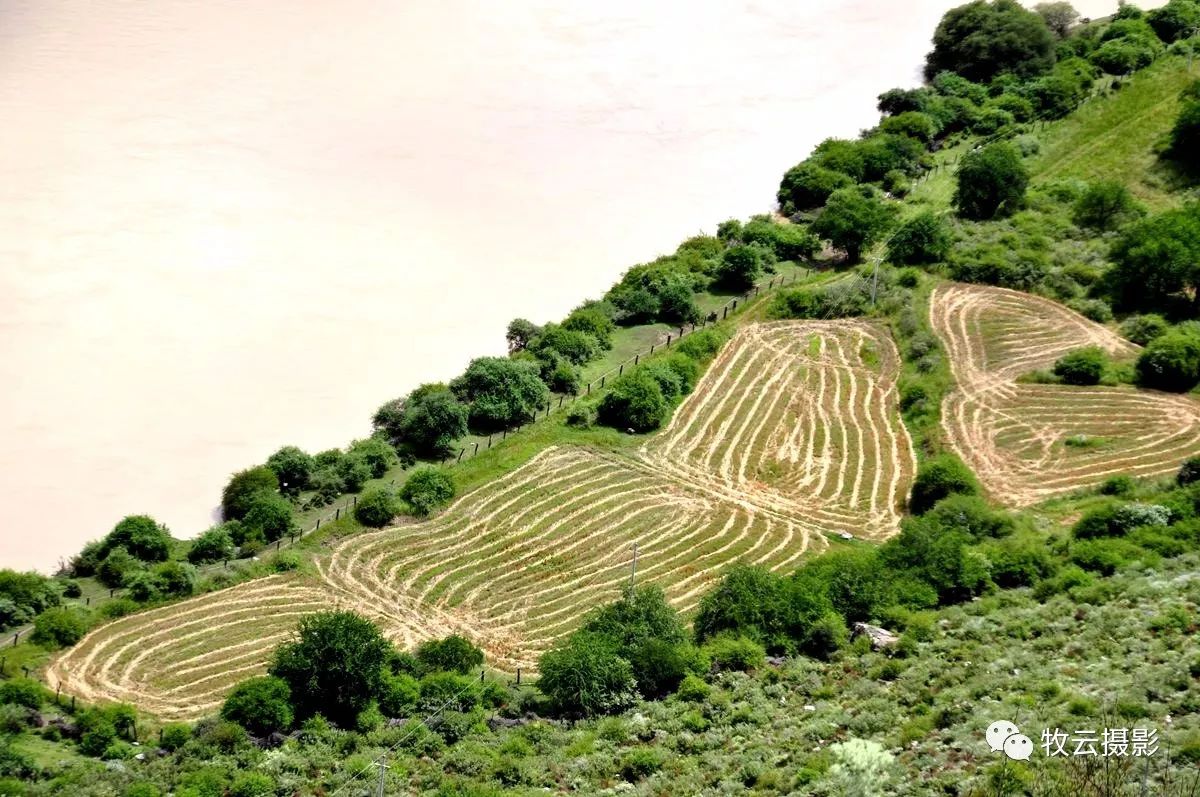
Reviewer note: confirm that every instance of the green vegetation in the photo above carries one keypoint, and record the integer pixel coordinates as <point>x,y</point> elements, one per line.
<point>991,182</point>
<point>427,489</point>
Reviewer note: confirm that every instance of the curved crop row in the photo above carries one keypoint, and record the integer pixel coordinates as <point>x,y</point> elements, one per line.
<point>791,436</point>
<point>1029,442</point>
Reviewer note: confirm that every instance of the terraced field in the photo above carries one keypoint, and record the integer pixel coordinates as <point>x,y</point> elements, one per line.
<point>178,662</point>
<point>1018,437</point>
<point>792,435</point>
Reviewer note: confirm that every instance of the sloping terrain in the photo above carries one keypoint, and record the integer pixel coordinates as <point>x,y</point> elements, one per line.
<point>1015,436</point>
<point>792,435</point>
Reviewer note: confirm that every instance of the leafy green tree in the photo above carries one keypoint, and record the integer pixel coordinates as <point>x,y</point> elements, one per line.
<point>1157,259</point>
<point>1141,329</point>
<point>1185,136</point>
<point>1189,472</point>
<point>854,582</point>
<point>1178,19</point>
<point>354,471</point>
<point>22,692</point>
<point>428,421</point>
<point>853,219</point>
<point>635,402</point>
<point>176,579</point>
<point>501,392</point>
<point>271,514</point>
<point>1082,366</point>
<point>741,266</point>
<point>807,185</point>
<point>573,345</point>
<point>427,489</point>
<point>587,676</point>
<point>59,627</point>
<point>451,654</point>
<point>991,182</point>
<point>970,515</point>
<point>376,507</point>
<point>594,319</point>
<point>30,592</point>
<point>260,705</point>
<point>922,239</point>
<point>939,477</point>
<point>1171,361</point>
<point>1105,205</point>
<point>751,601</point>
<point>293,468</point>
<point>243,487</point>
<point>981,40</point>
<point>142,586</point>
<point>214,545</point>
<point>913,124</point>
<point>943,560</point>
<point>335,667</point>
<point>116,566</point>
<point>141,535</point>
<point>1058,16</point>
<point>376,452</point>
<point>520,334</point>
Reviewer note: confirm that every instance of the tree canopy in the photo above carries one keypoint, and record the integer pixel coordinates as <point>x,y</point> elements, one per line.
<point>501,392</point>
<point>335,666</point>
<point>1157,259</point>
<point>981,40</point>
<point>854,218</point>
<point>991,182</point>
<point>243,487</point>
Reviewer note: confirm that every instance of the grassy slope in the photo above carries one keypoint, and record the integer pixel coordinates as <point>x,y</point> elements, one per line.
<point>1117,137</point>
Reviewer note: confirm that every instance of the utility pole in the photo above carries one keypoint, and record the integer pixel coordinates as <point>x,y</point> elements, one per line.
<point>383,768</point>
<point>633,567</point>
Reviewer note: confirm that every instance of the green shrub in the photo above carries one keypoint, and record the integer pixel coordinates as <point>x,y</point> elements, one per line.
<point>1105,205</point>
<point>251,784</point>
<point>260,705</point>
<point>118,607</point>
<point>59,627</point>
<point>1082,366</point>
<point>214,545</point>
<point>243,488</point>
<point>702,345</point>
<point>1120,485</point>
<point>991,182</point>
<point>853,220</point>
<point>22,692</point>
<point>285,562</point>
<point>426,490</point>
<point>640,763</point>
<point>271,515</point>
<point>142,536</point>
<point>292,468</point>
<point>1141,329</point>
<point>581,416</point>
<point>399,695</point>
<point>175,736</point>
<point>739,653</point>
<point>452,654</point>
<point>922,239</point>
<point>447,691</point>
<point>500,392</point>
<point>1104,556</point>
<point>939,477</point>
<point>740,267</point>
<point>585,675</point>
<point>431,418</point>
<point>1020,562</point>
<point>692,688</point>
<point>807,185</point>
<point>376,452</point>
<point>971,515</point>
<point>635,403</point>
<point>1189,472</point>
<point>335,666</point>
<point>376,507</point>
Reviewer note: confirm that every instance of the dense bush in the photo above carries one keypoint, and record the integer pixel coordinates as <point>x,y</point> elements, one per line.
<point>939,558</point>
<point>922,239</point>
<point>501,392</point>
<point>22,692</point>
<point>1082,366</point>
<point>23,595</point>
<point>270,515</point>
<point>59,627</point>
<point>293,468</point>
<point>991,182</point>
<point>854,219</point>
<point>1155,260</point>
<point>260,705</point>
<point>981,40</point>
<point>243,488</point>
<point>376,507</point>
<point>740,267</point>
<point>703,345</point>
<point>635,403</point>
<point>427,489</point>
<point>972,516</point>
<point>1175,20</point>
<point>379,455</point>
<point>1141,329</point>
<point>214,545</point>
<point>1171,361</point>
<point>1185,136</point>
<point>1105,205</point>
<point>431,418</point>
<point>807,185</point>
<point>587,676</point>
<point>451,654</point>
<point>116,566</point>
<point>937,478</point>
<point>335,667</point>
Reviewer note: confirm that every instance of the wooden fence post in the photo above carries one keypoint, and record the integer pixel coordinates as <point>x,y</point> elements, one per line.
<point>476,449</point>
<point>602,382</point>
<point>621,369</point>
<point>668,340</point>
<point>725,314</point>
<point>337,513</point>
<point>461,451</point>
<point>518,676</point>
<point>635,358</point>
<point>318,528</point>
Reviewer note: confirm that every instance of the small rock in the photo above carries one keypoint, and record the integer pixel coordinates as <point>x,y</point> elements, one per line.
<point>140,757</point>
<point>880,637</point>
<point>810,707</point>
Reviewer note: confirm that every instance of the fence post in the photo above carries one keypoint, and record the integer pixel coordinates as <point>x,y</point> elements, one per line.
<point>278,543</point>
<point>112,592</point>
<point>337,513</point>
<point>72,703</point>
<point>652,345</point>
<point>589,388</point>
<point>16,637</point>
<point>504,435</point>
<point>756,290</point>
<point>668,340</point>
<point>725,314</point>
<point>681,332</point>
<point>635,358</point>
<point>481,674</point>
<point>476,449</point>
<point>518,676</point>
<point>734,305</point>
<point>621,369</point>
<point>318,528</point>
<point>461,451</point>
<point>602,382</point>
<point>560,401</point>
<point>87,601</point>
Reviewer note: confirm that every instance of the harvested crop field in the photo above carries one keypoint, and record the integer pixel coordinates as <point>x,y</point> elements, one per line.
<point>792,435</point>
<point>1030,442</point>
